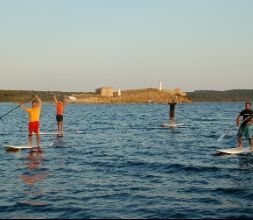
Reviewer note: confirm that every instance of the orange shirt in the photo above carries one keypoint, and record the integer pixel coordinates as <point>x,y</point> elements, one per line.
<point>60,108</point>
<point>34,114</point>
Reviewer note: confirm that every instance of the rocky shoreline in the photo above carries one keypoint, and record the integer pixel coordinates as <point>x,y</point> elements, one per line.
<point>138,96</point>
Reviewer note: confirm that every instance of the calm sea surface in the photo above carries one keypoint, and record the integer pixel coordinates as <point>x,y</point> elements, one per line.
<point>116,162</point>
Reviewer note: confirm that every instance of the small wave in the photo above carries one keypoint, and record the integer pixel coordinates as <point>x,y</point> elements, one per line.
<point>231,190</point>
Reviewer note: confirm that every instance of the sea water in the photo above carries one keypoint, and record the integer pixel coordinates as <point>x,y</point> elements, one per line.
<point>115,161</point>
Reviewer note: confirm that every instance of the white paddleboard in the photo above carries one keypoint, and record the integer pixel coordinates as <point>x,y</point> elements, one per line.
<point>172,125</point>
<point>234,151</point>
<point>9,147</point>
<point>13,147</point>
<point>50,133</point>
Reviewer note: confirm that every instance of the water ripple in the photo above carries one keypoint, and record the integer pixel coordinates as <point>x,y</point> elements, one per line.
<point>117,162</point>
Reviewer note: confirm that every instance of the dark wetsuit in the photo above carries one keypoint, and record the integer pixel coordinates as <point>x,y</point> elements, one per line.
<point>172,110</point>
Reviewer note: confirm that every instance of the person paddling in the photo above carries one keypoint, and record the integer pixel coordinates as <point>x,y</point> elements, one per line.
<point>246,127</point>
<point>172,104</point>
<point>34,119</point>
<point>60,104</point>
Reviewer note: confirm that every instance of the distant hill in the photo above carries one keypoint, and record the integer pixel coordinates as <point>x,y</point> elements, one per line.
<point>133,96</point>
<point>137,96</point>
<point>235,95</point>
<point>21,95</point>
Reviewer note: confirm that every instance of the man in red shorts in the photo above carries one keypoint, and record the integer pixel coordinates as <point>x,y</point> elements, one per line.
<point>34,118</point>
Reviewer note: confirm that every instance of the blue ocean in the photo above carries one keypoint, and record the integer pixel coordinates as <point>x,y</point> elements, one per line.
<point>115,161</point>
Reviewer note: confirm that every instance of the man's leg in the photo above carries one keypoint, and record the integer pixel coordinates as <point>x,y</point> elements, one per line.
<point>59,127</point>
<point>30,134</point>
<point>172,121</point>
<point>38,139</point>
<point>240,142</point>
<point>172,117</point>
<point>240,135</point>
<point>251,144</point>
<point>62,127</point>
<point>30,139</point>
<point>37,130</point>
<point>250,136</point>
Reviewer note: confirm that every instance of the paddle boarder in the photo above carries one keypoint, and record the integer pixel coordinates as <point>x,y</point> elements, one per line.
<point>34,118</point>
<point>246,127</point>
<point>172,111</point>
<point>60,104</point>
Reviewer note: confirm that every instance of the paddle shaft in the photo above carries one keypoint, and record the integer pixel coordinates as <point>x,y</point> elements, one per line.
<point>221,137</point>
<point>14,109</point>
<point>9,112</point>
<point>245,120</point>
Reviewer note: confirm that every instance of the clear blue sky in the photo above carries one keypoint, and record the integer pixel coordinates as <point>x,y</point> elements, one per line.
<point>80,45</point>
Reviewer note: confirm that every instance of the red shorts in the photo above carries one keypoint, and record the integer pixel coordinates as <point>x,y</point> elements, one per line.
<point>34,127</point>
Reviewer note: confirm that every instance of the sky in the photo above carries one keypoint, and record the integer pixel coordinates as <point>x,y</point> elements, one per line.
<point>81,45</point>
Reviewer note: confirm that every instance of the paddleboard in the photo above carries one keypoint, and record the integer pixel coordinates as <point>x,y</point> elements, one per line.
<point>234,151</point>
<point>12,147</point>
<point>9,147</point>
<point>50,133</point>
<point>172,125</point>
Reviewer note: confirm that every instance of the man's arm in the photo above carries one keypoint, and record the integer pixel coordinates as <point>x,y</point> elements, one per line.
<point>65,101</point>
<point>23,107</point>
<point>38,100</point>
<point>55,99</point>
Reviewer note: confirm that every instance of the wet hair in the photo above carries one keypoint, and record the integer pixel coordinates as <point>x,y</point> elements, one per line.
<point>248,103</point>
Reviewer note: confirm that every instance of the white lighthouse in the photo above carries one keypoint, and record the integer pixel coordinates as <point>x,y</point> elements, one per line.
<point>160,86</point>
<point>119,92</point>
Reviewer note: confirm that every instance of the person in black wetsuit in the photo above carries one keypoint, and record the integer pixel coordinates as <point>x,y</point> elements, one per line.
<point>172,104</point>
<point>246,127</point>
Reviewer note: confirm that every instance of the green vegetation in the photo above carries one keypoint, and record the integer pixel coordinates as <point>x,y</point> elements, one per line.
<point>144,96</point>
<point>20,95</point>
<point>236,95</point>
<point>133,96</point>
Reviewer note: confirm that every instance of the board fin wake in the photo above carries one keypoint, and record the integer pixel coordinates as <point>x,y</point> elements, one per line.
<point>172,125</point>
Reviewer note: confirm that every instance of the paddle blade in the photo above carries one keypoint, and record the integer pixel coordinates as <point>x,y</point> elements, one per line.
<point>221,137</point>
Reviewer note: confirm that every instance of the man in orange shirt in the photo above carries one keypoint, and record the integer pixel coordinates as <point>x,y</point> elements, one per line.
<point>59,114</point>
<point>34,118</point>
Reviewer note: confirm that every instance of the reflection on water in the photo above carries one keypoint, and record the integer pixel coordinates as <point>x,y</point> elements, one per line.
<point>33,176</point>
<point>246,162</point>
<point>58,142</point>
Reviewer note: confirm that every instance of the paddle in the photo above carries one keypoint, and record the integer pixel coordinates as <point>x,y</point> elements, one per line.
<point>13,109</point>
<point>230,128</point>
